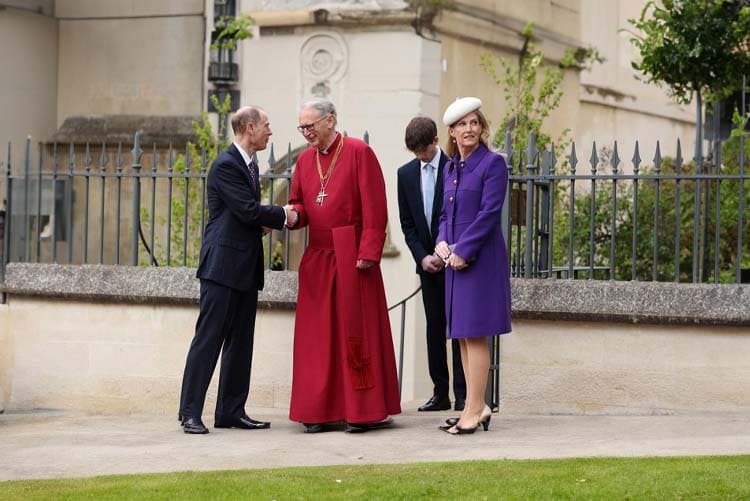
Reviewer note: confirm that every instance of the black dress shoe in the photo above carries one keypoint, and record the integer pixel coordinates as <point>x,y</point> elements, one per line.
<point>460,404</point>
<point>436,403</point>
<point>193,426</point>
<point>242,422</point>
<point>363,427</point>
<point>323,427</point>
<point>313,427</point>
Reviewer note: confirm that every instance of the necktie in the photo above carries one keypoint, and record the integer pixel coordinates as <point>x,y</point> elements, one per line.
<point>428,190</point>
<point>253,168</point>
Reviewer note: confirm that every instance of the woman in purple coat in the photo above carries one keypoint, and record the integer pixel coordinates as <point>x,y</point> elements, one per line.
<point>470,241</point>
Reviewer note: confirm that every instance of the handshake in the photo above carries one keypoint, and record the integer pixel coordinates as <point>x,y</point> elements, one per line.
<point>291,216</point>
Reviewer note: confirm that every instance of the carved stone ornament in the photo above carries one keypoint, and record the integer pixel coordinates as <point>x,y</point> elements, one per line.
<point>324,58</point>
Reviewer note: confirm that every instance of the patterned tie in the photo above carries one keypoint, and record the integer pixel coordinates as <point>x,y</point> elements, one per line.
<point>428,190</point>
<point>253,168</point>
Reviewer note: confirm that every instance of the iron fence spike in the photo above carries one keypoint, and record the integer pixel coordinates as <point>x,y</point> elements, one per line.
<point>154,163</point>
<point>553,158</point>
<point>531,150</point>
<point>573,158</point>
<point>71,157</point>
<point>636,158</point>
<point>545,161</point>
<point>87,158</point>
<point>103,157</point>
<point>657,158</point>
<point>615,161</point>
<point>271,159</point>
<point>137,151</point>
<point>594,160</point>
<point>508,146</point>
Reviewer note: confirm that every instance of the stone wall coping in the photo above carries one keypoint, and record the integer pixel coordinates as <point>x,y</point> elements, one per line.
<point>631,302</point>
<point>575,300</point>
<point>132,284</point>
<point>113,129</point>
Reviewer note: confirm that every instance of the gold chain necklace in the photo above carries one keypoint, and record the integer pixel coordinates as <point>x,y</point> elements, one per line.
<point>324,178</point>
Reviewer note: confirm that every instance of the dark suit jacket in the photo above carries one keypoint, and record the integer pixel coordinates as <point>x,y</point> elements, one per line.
<point>232,249</point>
<point>419,238</point>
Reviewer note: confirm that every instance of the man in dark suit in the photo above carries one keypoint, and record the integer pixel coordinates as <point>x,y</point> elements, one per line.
<point>231,274</point>
<point>420,200</point>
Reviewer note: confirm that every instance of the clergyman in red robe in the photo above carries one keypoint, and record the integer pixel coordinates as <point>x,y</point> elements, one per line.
<point>344,367</point>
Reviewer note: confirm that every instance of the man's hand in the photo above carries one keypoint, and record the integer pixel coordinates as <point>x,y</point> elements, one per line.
<point>432,264</point>
<point>457,262</point>
<point>363,264</point>
<point>291,216</point>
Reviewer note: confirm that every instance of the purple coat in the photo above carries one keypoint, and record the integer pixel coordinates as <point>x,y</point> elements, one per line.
<point>477,298</point>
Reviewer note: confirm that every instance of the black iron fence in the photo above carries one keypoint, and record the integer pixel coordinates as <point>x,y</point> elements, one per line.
<point>84,204</point>
<point>671,220</point>
<point>608,218</point>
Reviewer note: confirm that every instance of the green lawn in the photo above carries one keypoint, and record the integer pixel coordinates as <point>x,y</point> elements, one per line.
<point>591,478</point>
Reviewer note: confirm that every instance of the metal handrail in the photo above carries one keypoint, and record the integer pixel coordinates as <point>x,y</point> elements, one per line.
<point>406,298</point>
<point>402,303</point>
<point>493,387</point>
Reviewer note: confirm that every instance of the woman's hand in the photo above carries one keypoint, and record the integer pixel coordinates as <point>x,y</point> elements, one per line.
<point>457,262</point>
<point>442,250</point>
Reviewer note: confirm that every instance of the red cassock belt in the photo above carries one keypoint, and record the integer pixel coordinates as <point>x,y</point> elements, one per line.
<point>350,294</point>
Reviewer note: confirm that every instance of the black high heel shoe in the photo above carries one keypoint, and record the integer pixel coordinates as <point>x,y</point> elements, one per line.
<point>449,423</point>
<point>484,420</point>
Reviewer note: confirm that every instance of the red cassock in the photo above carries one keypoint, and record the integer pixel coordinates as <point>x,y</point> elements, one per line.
<point>344,364</point>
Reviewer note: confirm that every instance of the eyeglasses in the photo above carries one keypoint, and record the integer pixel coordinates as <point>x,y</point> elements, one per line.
<point>308,127</point>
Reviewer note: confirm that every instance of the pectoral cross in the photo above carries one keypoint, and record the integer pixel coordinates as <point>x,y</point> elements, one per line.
<point>321,196</point>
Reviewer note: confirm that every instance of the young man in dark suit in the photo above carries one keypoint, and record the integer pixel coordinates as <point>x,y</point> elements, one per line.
<point>420,200</point>
<point>231,274</point>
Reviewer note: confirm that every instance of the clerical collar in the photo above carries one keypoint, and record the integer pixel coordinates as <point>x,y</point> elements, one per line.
<point>245,156</point>
<point>434,161</point>
<point>328,148</point>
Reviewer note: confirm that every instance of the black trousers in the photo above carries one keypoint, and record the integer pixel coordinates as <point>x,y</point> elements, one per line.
<point>433,296</point>
<point>226,324</point>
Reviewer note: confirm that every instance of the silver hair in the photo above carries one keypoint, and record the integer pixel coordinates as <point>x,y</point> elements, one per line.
<point>322,106</point>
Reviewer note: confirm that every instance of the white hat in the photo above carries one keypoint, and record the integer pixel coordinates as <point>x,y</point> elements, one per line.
<point>459,108</point>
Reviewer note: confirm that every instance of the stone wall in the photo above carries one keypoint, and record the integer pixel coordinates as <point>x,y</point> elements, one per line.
<point>130,57</point>
<point>114,339</point>
<point>28,89</point>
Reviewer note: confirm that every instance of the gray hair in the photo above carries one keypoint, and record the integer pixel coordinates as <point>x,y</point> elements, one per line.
<point>322,106</point>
